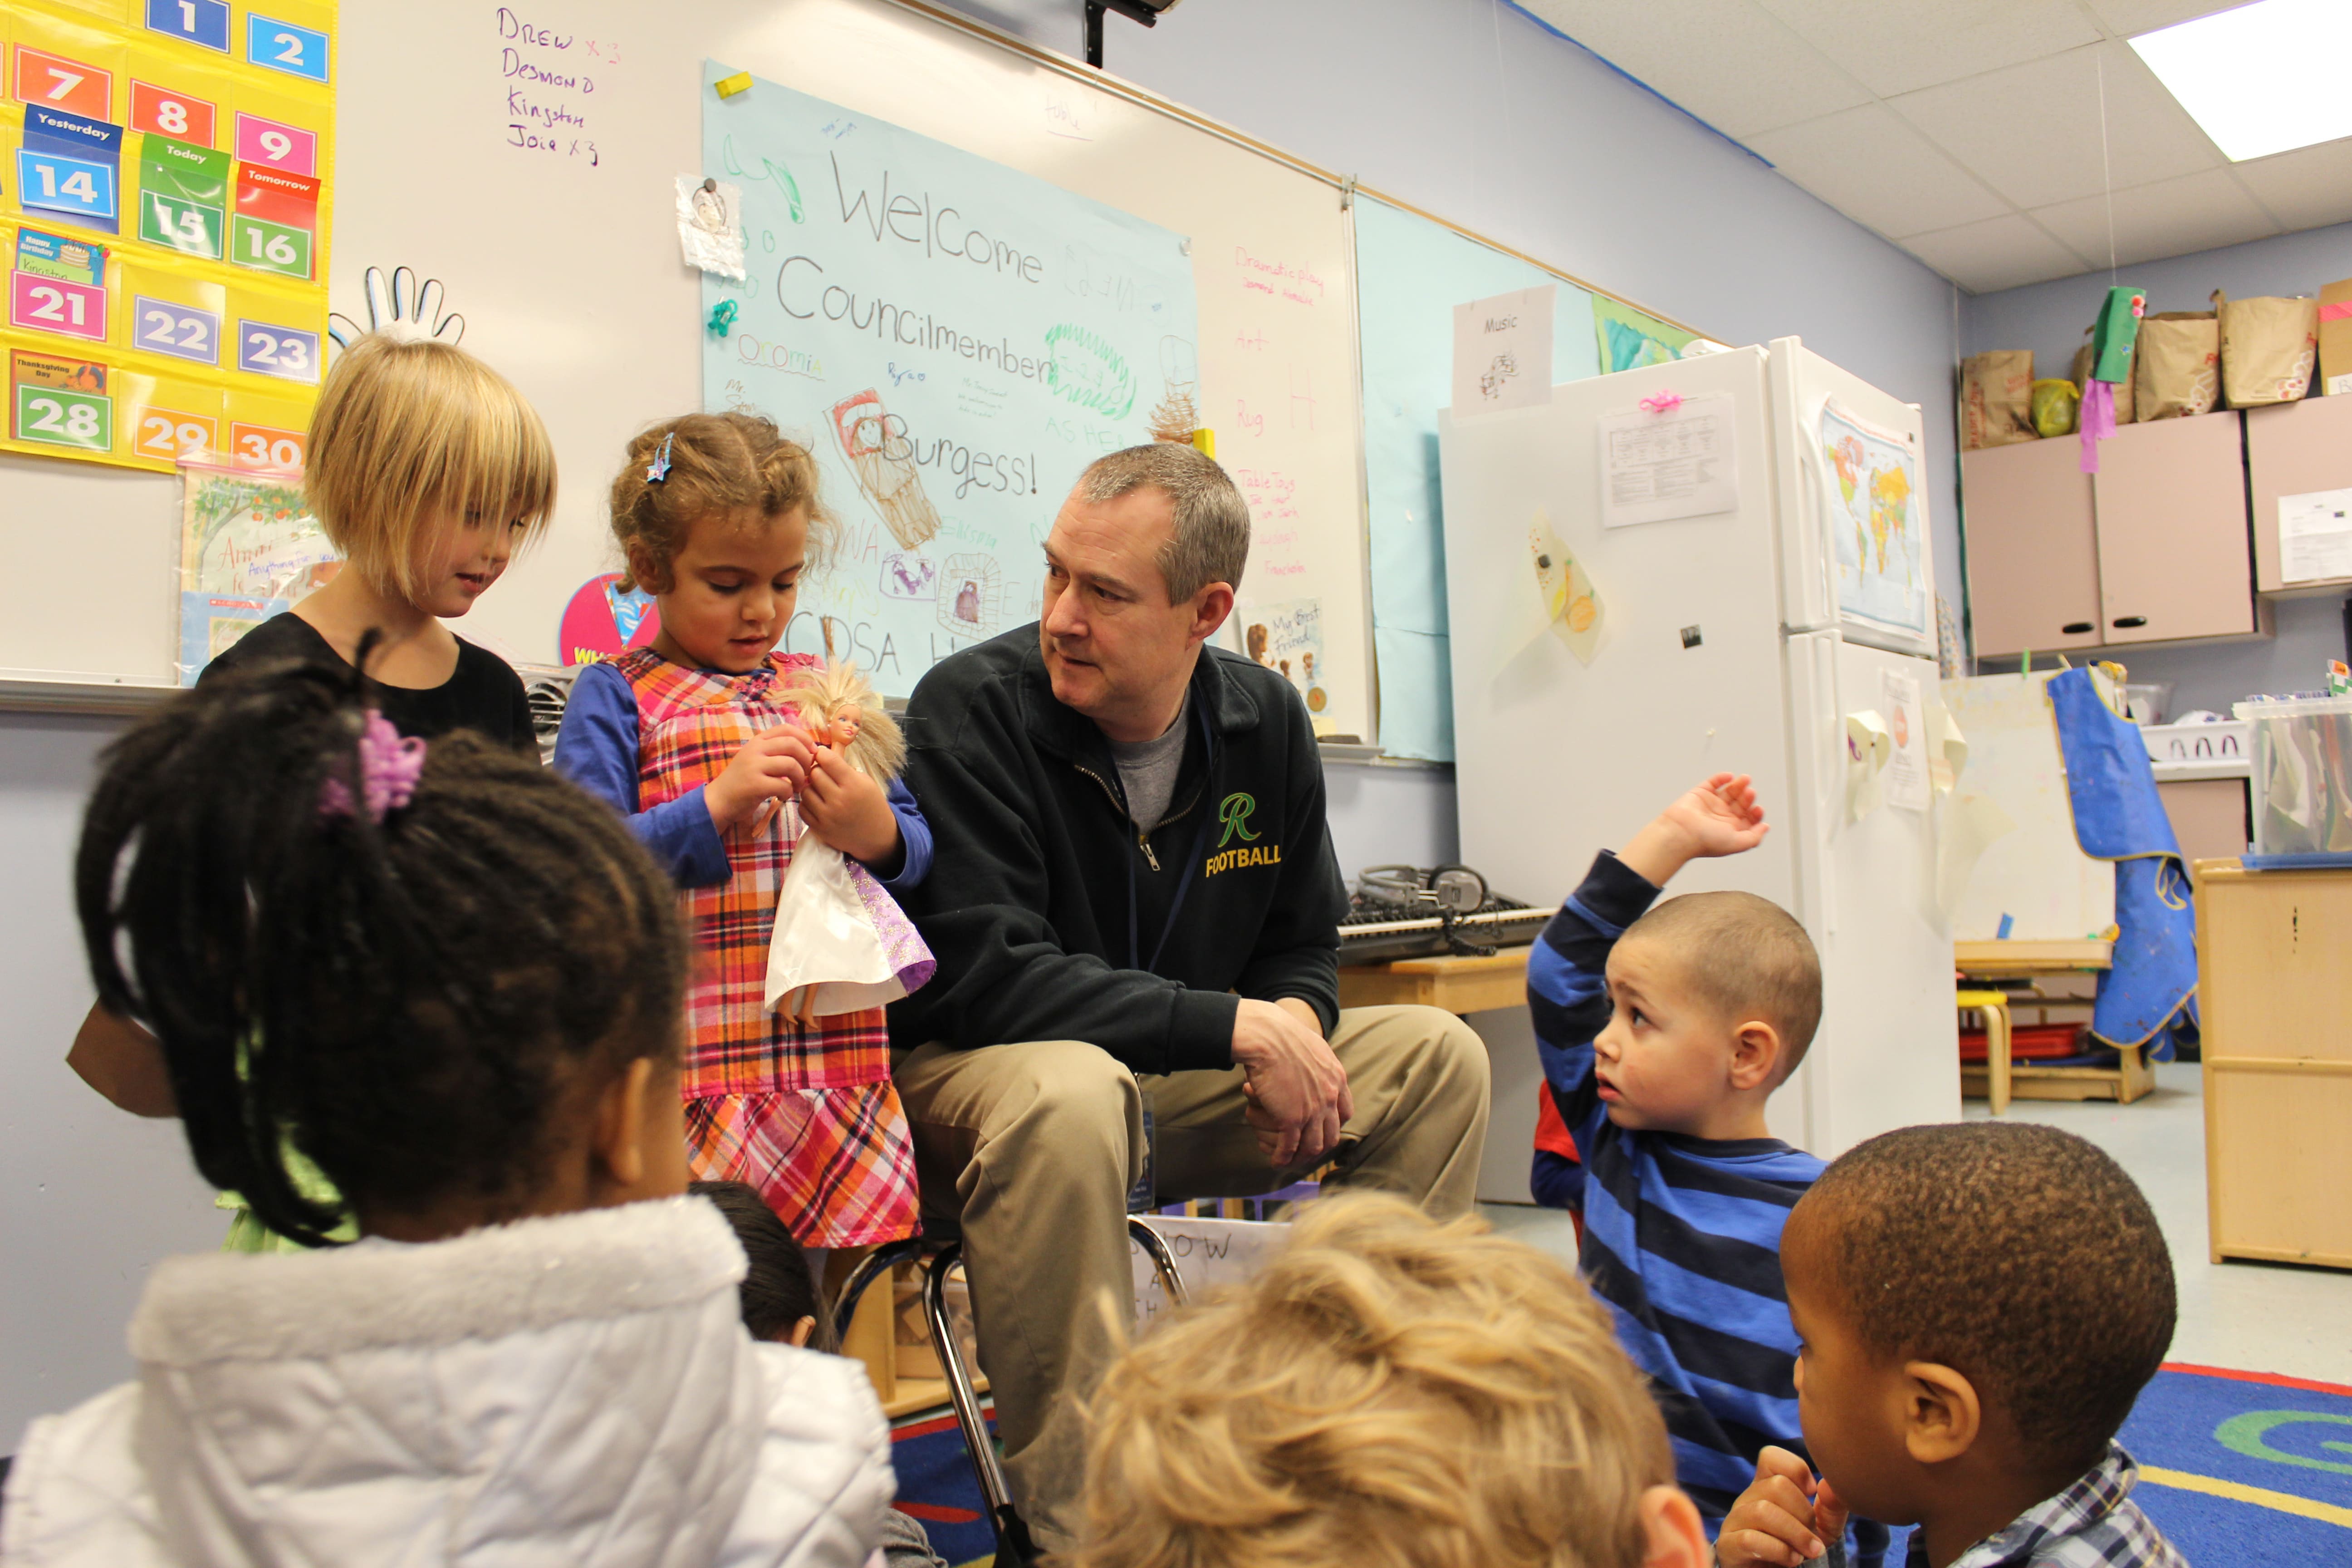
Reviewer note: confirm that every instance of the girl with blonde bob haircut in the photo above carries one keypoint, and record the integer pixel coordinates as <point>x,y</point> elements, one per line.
<point>428,471</point>
<point>1388,1393</point>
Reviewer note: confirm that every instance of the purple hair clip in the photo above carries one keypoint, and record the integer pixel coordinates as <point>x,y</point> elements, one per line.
<point>390,765</point>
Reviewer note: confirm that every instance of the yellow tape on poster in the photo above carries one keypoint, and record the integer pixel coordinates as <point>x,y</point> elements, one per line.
<point>165,170</point>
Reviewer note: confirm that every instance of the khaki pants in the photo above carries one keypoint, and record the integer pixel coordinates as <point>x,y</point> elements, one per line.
<point>1033,1147</point>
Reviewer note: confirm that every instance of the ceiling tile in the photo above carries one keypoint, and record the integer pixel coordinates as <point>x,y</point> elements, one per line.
<point>1874,167</point>
<point>2130,18</point>
<point>2306,187</point>
<point>1894,47</point>
<point>1729,62</point>
<point>2031,130</point>
<point>1999,253</point>
<point>2170,217</point>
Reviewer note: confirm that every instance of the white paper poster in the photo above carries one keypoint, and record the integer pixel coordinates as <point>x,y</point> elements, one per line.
<point>1680,460</point>
<point>2315,536</point>
<point>1907,779</point>
<point>1502,351</point>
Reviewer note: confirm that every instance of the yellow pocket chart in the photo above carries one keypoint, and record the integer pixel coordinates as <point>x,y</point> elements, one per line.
<point>131,337</point>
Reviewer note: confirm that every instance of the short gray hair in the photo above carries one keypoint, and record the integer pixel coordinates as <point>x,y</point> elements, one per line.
<point>1210,543</point>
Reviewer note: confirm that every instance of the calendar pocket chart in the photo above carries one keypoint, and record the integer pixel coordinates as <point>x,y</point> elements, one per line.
<point>166,171</point>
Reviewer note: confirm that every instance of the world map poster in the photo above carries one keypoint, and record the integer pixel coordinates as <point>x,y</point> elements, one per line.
<point>1872,492</point>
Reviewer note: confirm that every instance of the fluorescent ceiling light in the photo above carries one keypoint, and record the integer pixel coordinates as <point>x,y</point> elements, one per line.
<point>2261,79</point>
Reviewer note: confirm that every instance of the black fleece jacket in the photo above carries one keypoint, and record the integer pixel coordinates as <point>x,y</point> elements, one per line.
<point>1052,919</point>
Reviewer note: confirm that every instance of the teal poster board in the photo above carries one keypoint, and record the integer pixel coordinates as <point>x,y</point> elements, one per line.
<point>1410,274</point>
<point>955,340</point>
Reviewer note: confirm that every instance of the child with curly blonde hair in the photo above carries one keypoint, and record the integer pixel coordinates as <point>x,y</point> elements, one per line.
<point>1388,1393</point>
<point>698,740</point>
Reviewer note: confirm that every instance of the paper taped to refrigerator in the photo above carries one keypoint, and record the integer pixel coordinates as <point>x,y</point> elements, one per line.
<point>1678,460</point>
<point>1571,604</point>
<point>1906,758</point>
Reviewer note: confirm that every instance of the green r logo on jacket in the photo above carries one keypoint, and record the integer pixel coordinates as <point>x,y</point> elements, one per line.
<point>1234,813</point>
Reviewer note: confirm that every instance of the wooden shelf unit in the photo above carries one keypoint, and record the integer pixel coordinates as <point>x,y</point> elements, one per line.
<point>2276,999</point>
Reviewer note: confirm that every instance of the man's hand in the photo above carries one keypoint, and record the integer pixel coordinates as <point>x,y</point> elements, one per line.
<point>1298,1097</point>
<point>1782,1518</point>
<point>770,766</point>
<point>1719,818</point>
<point>849,809</point>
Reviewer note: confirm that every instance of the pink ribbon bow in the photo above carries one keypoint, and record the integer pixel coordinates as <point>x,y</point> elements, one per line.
<point>390,765</point>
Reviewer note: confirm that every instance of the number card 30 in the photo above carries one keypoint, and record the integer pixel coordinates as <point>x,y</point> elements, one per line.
<point>53,305</point>
<point>283,351</point>
<point>265,449</point>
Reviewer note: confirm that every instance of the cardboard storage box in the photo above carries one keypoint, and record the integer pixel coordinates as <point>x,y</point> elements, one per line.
<point>2335,336</point>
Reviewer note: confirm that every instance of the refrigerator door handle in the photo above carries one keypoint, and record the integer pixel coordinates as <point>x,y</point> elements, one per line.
<point>1829,785</point>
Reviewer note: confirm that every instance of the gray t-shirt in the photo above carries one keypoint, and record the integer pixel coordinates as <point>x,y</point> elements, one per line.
<point>1148,770</point>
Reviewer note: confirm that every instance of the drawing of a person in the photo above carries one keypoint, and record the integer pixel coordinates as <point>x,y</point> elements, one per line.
<point>1255,638</point>
<point>968,602</point>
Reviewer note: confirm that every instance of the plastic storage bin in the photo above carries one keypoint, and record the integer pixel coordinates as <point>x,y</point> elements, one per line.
<point>2302,755</point>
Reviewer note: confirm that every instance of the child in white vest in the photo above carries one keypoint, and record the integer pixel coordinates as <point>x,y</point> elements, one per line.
<point>453,982</point>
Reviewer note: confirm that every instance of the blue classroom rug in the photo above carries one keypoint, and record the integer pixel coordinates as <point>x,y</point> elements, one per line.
<point>937,1489</point>
<point>2245,1467</point>
<point>2238,1468</point>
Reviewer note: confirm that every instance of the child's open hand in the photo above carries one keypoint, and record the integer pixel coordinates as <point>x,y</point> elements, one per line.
<point>1783,1519</point>
<point>772,766</point>
<point>849,809</point>
<point>1718,817</point>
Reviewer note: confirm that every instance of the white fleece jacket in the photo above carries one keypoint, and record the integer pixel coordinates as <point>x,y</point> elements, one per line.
<point>576,1391</point>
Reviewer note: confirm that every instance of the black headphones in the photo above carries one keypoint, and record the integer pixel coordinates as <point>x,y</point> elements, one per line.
<point>1454,890</point>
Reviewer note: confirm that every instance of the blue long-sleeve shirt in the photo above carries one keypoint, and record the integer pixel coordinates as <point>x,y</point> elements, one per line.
<point>597,750</point>
<point>1682,1234</point>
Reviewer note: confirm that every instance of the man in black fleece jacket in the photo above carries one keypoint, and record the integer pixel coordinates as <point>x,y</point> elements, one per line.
<point>1134,899</point>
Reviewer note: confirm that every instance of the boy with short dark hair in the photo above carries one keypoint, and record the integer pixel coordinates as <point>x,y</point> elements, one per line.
<point>1980,1303</point>
<point>1663,1033</point>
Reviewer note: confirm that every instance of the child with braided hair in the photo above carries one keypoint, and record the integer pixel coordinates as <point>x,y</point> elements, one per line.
<point>732,762</point>
<point>441,975</point>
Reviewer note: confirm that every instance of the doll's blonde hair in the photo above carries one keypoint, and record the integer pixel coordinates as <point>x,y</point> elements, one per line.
<point>1388,1393</point>
<point>406,431</point>
<point>826,692</point>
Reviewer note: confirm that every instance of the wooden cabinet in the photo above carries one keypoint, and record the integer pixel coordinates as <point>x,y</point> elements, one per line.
<point>2152,547</point>
<point>2034,554</point>
<point>2277,999</point>
<point>2174,557</point>
<point>2293,450</point>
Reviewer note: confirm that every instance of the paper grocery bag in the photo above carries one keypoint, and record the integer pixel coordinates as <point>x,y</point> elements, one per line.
<point>2124,401</point>
<point>2177,368</point>
<point>2268,349</point>
<point>2335,337</point>
<point>1997,398</point>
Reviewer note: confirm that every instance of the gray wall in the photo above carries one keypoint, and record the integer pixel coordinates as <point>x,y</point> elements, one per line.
<point>2049,319</point>
<point>1461,107</point>
<point>88,1197</point>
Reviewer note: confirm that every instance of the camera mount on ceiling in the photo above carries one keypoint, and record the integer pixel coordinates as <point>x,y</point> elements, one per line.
<point>1144,10</point>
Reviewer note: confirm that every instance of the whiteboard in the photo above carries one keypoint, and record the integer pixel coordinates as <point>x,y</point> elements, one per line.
<point>525,156</point>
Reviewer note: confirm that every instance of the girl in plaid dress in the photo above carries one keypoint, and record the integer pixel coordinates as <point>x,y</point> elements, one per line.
<point>694,740</point>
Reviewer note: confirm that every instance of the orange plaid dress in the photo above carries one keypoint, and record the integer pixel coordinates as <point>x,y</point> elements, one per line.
<point>807,1116</point>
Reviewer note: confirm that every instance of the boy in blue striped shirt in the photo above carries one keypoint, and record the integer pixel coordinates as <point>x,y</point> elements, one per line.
<point>1663,1032</point>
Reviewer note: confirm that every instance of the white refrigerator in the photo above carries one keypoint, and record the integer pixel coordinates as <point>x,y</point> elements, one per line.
<point>1749,537</point>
